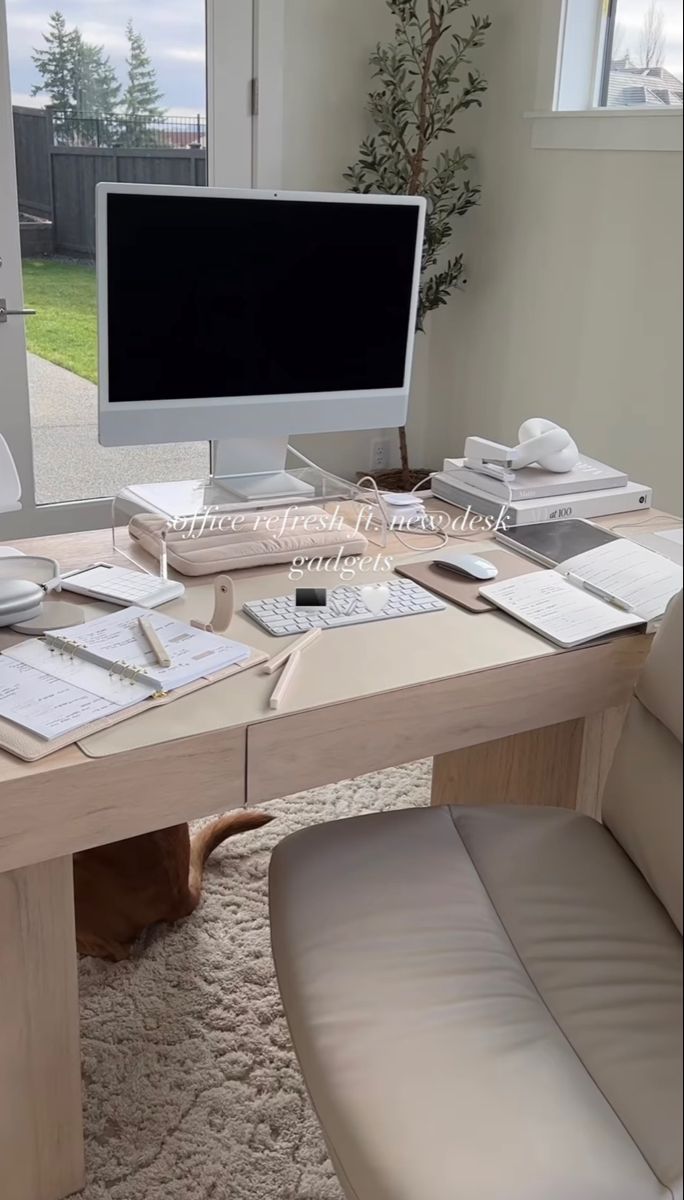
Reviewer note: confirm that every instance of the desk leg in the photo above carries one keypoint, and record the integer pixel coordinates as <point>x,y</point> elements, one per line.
<point>542,766</point>
<point>599,742</point>
<point>41,1131</point>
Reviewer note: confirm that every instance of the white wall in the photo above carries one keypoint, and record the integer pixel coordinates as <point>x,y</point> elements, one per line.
<point>326,82</point>
<point>573,309</point>
<point>573,304</point>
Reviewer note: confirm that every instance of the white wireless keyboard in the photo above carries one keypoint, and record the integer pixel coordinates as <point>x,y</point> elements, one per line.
<point>345,607</point>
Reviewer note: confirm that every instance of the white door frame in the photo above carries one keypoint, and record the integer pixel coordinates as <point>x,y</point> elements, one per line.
<point>230,70</point>
<point>15,422</point>
<point>269,69</point>
<point>231,54</point>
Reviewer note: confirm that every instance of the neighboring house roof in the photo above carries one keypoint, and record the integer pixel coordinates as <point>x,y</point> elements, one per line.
<point>629,85</point>
<point>184,139</point>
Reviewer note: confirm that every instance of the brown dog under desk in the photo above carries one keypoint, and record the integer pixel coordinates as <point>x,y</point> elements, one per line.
<point>122,888</point>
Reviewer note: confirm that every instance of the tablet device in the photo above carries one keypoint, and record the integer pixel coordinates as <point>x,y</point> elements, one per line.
<point>552,542</point>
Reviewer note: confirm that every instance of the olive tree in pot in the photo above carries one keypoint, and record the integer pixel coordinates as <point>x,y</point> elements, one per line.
<point>423,80</point>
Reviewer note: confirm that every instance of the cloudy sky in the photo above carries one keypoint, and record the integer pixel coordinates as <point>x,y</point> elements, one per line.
<point>630,17</point>
<point>173,29</point>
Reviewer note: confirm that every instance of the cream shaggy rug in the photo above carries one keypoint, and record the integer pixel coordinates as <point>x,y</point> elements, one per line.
<point>192,1090</point>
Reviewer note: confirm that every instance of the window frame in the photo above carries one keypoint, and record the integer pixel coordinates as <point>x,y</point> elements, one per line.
<point>575,36</point>
<point>231,58</point>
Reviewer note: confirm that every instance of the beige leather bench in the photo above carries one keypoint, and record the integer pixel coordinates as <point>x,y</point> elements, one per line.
<point>486,1002</point>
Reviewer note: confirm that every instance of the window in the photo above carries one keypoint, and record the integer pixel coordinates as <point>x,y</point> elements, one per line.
<point>642,63</point>
<point>116,94</point>
<point>610,75</point>
<point>95,104</point>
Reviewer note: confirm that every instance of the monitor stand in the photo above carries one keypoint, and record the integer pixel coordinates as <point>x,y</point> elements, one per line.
<point>245,472</point>
<point>254,469</point>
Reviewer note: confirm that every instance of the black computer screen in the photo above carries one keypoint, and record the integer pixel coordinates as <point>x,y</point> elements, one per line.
<point>216,296</point>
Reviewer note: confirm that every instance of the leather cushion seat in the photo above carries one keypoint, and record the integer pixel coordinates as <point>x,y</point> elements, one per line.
<point>486,1005</point>
<point>642,802</point>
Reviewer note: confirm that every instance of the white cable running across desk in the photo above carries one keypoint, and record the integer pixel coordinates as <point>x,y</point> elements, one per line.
<point>345,606</point>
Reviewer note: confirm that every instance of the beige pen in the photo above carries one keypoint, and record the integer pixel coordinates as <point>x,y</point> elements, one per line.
<point>289,670</point>
<point>154,642</point>
<point>301,644</point>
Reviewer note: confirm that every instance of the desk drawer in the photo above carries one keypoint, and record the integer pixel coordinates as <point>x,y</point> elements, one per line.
<point>340,741</point>
<point>48,813</point>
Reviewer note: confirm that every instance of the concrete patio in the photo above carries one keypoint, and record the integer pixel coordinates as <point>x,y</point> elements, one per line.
<point>68,462</point>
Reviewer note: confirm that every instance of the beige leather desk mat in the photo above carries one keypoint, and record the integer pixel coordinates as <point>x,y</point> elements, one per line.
<point>462,591</point>
<point>344,664</point>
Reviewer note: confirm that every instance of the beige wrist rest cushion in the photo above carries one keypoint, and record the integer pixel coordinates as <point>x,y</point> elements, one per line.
<point>250,539</point>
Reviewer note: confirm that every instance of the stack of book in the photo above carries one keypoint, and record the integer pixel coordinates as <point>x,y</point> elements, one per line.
<point>532,494</point>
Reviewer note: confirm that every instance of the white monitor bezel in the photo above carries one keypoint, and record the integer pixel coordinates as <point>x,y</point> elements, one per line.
<point>216,417</point>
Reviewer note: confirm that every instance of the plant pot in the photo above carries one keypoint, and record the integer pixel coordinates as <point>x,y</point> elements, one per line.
<point>397,480</point>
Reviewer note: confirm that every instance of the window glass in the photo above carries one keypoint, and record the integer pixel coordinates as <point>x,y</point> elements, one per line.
<point>99,92</point>
<point>643,60</point>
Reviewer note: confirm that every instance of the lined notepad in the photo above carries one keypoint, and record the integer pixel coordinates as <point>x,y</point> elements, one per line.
<point>641,578</point>
<point>605,590</point>
<point>550,605</point>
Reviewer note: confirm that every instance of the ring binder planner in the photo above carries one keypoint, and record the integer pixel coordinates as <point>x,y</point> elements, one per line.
<point>128,672</point>
<point>71,649</point>
<point>57,687</point>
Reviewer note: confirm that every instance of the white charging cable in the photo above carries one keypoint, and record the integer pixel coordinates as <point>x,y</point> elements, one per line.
<point>463,536</point>
<point>380,500</point>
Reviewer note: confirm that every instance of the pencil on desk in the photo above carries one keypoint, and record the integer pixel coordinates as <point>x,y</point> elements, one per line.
<point>301,644</point>
<point>154,642</point>
<point>289,670</point>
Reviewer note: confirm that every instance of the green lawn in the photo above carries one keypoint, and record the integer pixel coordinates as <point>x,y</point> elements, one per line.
<point>64,329</point>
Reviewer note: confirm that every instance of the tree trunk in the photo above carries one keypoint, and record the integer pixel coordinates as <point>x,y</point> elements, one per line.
<point>403,451</point>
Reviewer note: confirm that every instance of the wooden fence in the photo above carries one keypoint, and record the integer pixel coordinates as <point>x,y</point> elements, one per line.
<point>32,146</point>
<point>58,182</point>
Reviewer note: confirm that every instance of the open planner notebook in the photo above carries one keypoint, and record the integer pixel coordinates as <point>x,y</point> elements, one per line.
<point>604,590</point>
<point>81,675</point>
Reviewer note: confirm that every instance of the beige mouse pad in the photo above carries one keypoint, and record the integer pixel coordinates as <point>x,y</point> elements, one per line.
<point>466,592</point>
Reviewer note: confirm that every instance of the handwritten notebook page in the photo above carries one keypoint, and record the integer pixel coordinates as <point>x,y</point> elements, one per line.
<point>113,687</point>
<point>46,705</point>
<point>641,578</point>
<point>194,653</point>
<point>562,612</point>
<point>54,691</point>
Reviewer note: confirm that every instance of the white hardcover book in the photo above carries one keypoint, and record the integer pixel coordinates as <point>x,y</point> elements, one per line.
<point>600,503</point>
<point>531,483</point>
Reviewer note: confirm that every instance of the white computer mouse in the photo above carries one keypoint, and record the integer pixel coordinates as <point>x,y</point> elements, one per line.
<point>470,565</point>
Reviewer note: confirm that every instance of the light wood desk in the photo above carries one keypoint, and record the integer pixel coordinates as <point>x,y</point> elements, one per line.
<point>504,715</point>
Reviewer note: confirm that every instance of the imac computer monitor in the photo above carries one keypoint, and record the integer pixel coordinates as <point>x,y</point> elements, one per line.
<point>228,314</point>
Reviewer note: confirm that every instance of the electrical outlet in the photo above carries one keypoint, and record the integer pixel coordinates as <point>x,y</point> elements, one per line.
<point>380,454</point>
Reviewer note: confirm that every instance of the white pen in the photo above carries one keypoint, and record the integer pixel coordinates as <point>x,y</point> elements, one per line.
<point>289,670</point>
<point>593,590</point>
<point>154,642</point>
<point>301,644</point>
